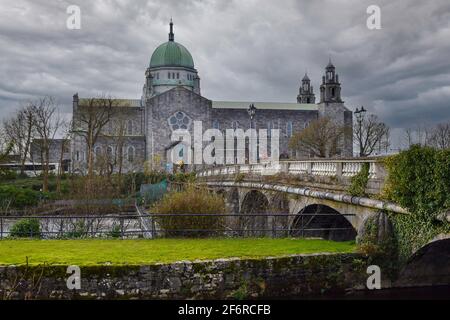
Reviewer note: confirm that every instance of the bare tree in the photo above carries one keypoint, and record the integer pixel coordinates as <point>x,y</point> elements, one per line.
<point>408,137</point>
<point>120,128</point>
<point>6,145</point>
<point>21,130</point>
<point>65,142</point>
<point>420,134</point>
<point>47,122</point>
<point>440,136</point>
<point>93,116</point>
<point>322,138</point>
<point>370,134</point>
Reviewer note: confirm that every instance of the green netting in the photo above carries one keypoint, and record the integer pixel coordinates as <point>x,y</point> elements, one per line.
<point>150,193</point>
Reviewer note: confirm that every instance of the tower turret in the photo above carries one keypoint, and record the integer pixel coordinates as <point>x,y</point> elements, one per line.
<point>306,93</point>
<point>330,90</point>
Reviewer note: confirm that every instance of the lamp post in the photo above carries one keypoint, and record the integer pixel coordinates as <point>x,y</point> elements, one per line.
<point>360,118</point>
<point>360,113</point>
<point>251,112</point>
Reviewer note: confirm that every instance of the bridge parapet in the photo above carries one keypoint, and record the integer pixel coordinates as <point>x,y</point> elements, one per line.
<point>325,172</point>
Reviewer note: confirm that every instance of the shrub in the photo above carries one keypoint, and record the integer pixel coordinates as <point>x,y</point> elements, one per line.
<point>190,201</point>
<point>7,175</point>
<point>28,227</point>
<point>96,187</point>
<point>419,180</point>
<point>115,232</point>
<point>19,197</point>
<point>79,230</point>
<point>183,177</point>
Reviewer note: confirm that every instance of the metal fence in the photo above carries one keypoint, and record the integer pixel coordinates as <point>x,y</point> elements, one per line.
<point>152,226</point>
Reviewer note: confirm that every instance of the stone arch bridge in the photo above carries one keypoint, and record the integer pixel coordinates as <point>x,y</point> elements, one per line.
<point>311,194</point>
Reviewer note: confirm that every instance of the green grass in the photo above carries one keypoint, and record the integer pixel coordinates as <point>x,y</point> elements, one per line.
<point>135,252</point>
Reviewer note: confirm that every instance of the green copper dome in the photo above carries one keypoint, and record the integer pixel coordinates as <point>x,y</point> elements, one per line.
<point>171,54</point>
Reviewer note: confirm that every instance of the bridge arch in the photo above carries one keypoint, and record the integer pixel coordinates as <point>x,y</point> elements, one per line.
<point>322,221</point>
<point>254,202</point>
<point>430,265</point>
<point>232,200</point>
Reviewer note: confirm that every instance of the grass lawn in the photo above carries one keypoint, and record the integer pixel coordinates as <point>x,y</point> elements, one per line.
<point>134,252</point>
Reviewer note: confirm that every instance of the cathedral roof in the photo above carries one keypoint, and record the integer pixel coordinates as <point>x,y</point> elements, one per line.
<point>264,105</point>
<point>171,54</point>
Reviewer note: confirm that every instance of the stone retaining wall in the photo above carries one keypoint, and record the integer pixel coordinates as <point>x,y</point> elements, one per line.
<point>289,276</point>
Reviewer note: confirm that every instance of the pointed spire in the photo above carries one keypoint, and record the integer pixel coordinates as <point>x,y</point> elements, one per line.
<point>330,64</point>
<point>306,78</point>
<point>171,35</point>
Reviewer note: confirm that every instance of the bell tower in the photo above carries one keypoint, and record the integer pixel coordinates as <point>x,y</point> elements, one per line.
<point>330,90</point>
<point>306,93</point>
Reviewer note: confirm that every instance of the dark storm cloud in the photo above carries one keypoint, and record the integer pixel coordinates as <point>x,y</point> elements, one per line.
<point>244,50</point>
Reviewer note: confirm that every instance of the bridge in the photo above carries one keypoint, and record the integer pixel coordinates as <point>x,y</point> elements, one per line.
<point>314,193</point>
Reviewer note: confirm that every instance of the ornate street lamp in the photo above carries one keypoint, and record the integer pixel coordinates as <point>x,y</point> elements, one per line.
<point>360,118</point>
<point>360,113</point>
<point>251,111</point>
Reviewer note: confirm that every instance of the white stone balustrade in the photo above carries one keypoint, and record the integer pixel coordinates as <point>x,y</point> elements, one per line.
<point>330,168</point>
<point>299,167</point>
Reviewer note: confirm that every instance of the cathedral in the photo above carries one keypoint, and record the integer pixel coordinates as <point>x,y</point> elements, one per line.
<point>172,99</point>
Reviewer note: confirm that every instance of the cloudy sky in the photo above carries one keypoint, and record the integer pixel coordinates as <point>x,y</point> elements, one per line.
<point>244,50</point>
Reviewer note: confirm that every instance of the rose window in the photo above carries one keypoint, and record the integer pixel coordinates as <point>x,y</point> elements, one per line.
<point>179,121</point>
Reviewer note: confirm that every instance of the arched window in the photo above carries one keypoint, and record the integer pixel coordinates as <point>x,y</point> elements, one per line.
<point>130,127</point>
<point>97,151</point>
<point>110,152</point>
<point>234,125</point>
<point>289,129</point>
<point>157,75</point>
<point>168,75</point>
<point>330,75</point>
<point>80,156</point>
<point>130,154</point>
<point>216,124</point>
<point>178,75</point>
<point>332,92</point>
